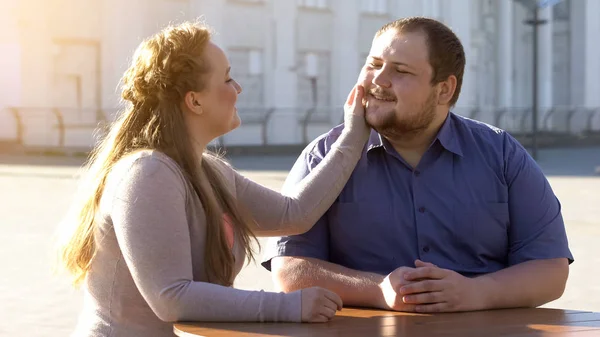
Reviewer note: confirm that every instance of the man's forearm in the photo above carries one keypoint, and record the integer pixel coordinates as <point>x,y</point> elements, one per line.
<point>528,284</point>
<point>356,288</point>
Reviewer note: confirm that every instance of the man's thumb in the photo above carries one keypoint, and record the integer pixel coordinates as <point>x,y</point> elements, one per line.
<point>419,263</point>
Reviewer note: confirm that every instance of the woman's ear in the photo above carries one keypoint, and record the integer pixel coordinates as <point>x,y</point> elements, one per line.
<point>192,102</point>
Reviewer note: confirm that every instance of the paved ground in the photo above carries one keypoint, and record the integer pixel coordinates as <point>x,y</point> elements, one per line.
<point>35,192</point>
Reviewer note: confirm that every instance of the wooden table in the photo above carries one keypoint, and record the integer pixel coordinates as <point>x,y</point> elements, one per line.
<point>365,322</point>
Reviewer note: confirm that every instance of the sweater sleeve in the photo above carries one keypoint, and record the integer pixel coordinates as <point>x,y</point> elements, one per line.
<point>303,204</point>
<point>149,218</point>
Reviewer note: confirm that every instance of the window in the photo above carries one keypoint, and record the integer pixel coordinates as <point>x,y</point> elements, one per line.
<point>322,4</point>
<point>374,6</point>
<point>313,80</point>
<point>311,63</point>
<point>255,62</point>
<point>247,70</point>
<point>561,11</point>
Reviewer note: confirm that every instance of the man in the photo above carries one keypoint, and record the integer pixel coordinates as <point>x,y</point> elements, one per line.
<point>442,213</point>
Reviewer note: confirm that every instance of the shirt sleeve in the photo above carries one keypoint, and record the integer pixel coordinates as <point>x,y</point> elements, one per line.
<point>315,242</point>
<point>149,218</point>
<point>302,204</point>
<point>537,230</point>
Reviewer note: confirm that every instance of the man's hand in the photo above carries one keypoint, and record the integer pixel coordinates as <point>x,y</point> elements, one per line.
<point>393,282</point>
<point>429,288</point>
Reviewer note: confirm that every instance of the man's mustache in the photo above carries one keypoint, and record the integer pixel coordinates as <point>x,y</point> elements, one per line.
<point>379,92</point>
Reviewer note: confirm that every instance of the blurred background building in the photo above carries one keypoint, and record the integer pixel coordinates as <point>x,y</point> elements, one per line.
<point>61,61</point>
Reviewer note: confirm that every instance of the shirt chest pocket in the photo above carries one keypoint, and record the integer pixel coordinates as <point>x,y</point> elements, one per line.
<point>484,227</point>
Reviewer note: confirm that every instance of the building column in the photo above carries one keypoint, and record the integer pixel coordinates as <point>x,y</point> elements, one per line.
<point>505,49</point>
<point>269,58</point>
<point>36,53</point>
<point>545,62</point>
<point>10,51</point>
<point>10,63</point>
<point>123,29</point>
<point>345,52</point>
<point>283,126</point>
<point>459,19</point>
<point>592,54</point>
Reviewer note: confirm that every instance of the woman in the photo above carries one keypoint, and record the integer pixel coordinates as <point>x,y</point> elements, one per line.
<point>165,226</point>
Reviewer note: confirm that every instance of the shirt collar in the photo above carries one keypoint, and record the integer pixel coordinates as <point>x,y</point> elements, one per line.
<point>375,141</point>
<point>447,137</point>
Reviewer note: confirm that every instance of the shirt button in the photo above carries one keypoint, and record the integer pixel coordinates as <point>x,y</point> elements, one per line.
<point>421,209</point>
<point>417,173</point>
<point>426,249</point>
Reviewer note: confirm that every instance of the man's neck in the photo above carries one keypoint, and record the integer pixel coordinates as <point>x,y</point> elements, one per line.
<point>412,148</point>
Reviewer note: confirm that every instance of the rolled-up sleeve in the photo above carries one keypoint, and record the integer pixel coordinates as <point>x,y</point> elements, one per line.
<point>313,243</point>
<point>537,229</point>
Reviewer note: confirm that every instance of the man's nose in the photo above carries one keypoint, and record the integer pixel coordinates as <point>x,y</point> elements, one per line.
<point>381,79</point>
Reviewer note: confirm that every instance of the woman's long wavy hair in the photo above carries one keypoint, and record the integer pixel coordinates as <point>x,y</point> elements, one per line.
<point>164,68</point>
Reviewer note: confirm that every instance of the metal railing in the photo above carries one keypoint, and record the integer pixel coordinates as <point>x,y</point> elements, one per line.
<point>18,125</point>
<point>557,120</point>
<point>52,124</point>
<point>553,122</point>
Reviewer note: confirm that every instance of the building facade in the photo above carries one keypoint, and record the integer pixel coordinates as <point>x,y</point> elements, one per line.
<point>295,59</point>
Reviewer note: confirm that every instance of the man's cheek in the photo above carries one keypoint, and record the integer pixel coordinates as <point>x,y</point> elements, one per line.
<point>363,77</point>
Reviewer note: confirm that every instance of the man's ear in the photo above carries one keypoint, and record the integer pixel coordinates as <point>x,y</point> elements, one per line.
<point>447,89</point>
<point>192,102</point>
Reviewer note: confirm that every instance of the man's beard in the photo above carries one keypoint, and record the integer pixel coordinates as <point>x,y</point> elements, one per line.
<point>390,126</point>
